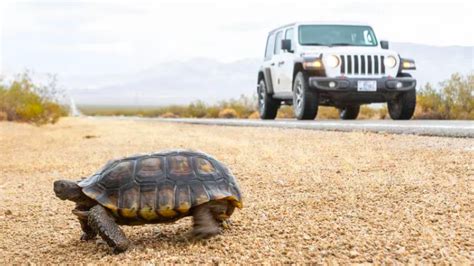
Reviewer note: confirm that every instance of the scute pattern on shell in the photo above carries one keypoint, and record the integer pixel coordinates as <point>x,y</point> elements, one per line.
<point>161,185</point>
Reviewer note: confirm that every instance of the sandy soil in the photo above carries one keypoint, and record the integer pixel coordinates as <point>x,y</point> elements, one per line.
<point>309,196</point>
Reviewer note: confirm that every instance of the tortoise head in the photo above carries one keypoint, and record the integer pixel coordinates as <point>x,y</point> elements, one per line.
<point>68,190</point>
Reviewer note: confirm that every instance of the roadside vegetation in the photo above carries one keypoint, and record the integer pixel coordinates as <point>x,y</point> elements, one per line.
<point>24,101</point>
<point>453,100</point>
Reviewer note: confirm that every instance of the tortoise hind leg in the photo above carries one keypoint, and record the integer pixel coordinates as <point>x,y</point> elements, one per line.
<point>103,223</point>
<point>205,224</point>
<point>222,210</point>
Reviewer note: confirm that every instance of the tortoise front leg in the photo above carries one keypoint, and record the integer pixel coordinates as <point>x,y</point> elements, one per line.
<point>88,232</point>
<point>104,224</point>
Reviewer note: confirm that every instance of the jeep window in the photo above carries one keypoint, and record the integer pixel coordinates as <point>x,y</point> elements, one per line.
<point>336,35</point>
<point>270,45</point>
<point>278,39</point>
<point>289,34</point>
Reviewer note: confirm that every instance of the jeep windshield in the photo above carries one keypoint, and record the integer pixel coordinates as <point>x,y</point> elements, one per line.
<point>336,35</point>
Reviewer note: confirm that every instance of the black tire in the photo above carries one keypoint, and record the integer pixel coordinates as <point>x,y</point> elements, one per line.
<point>403,106</point>
<point>267,106</point>
<point>305,102</point>
<point>349,112</point>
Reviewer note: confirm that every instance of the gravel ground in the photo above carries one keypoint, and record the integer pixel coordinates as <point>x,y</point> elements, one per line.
<point>309,196</point>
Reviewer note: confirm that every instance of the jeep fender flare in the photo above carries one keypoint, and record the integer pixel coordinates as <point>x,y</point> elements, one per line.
<point>266,75</point>
<point>297,67</point>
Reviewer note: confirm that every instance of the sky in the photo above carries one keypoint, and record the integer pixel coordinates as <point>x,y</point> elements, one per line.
<point>103,37</point>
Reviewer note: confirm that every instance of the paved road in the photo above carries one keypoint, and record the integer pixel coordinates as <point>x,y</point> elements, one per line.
<point>418,127</point>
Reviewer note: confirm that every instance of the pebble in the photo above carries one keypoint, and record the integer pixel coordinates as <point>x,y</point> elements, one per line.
<point>353,254</point>
<point>373,204</point>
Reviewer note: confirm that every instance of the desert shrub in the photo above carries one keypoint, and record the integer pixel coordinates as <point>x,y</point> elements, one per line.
<point>24,101</point>
<point>168,115</point>
<point>3,116</point>
<point>243,106</point>
<point>367,112</point>
<point>254,115</point>
<point>383,112</point>
<point>285,112</point>
<point>454,100</point>
<point>458,96</point>
<point>212,112</point>
<point>429,104</point>
<point>197,109</point>
<point>326,112</point>
<point>228,113</point>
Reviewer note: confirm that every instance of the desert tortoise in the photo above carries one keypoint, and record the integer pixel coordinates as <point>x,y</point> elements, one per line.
<point>153,188</point>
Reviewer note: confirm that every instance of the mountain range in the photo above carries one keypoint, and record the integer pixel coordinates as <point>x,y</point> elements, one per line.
<point>210,80</point>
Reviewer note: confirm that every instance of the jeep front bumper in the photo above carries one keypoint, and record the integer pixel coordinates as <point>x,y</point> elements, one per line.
<point>343,84</point>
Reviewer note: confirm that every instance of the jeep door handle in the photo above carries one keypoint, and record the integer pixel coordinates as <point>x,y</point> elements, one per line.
<point>281,63</point>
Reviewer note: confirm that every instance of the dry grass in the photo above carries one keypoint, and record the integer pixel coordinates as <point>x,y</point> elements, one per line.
<point>309,196</point>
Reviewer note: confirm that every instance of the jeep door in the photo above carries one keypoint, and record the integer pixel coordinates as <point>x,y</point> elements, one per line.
<point>276,58</point>
<point>286,63</point>
<point>269,65</point>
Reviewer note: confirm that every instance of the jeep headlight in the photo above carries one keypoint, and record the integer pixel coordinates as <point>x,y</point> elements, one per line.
<point>333,61</point>
<point>390,61</point>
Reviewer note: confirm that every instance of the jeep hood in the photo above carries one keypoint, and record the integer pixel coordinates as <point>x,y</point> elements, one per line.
<point>317,50</point>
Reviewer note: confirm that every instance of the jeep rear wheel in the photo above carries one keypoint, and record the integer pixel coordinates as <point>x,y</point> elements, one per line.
<point>267,106</point>
<point>305,102</point>
<point>349,112</point>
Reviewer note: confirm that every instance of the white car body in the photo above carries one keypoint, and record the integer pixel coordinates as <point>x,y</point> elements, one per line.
<point>335,85</point>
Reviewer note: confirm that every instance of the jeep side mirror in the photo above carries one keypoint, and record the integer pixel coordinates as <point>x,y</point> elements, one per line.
<point>286,45</point>
<point>384,44</point>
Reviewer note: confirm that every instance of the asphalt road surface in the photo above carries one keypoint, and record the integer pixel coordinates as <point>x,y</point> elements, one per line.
<point>419,127</point>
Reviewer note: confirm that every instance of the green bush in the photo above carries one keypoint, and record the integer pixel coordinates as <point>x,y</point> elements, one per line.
<point>27,102</point>
<point>454,100</point>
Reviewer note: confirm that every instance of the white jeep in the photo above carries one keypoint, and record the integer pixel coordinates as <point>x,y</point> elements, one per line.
<point>333,64</point>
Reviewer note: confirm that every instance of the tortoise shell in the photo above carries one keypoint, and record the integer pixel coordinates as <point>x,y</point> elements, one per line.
<point>161,186</point>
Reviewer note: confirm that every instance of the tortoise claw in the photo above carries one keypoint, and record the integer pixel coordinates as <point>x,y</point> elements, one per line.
<point>87,237</point>
<point>226,224</point>
<point>205,233</point>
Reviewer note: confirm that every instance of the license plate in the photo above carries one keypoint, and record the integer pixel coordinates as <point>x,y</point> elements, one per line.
<point>366,85</point>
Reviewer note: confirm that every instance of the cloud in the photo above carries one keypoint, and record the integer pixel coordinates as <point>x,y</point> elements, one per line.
<point>46,35</point>
<point>119,48</point>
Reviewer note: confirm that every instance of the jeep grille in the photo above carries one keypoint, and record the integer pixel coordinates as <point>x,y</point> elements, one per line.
<point>362,64</point>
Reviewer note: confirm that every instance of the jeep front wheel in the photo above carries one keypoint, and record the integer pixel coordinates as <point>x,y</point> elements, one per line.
<point>403,106</point>
<point>267,106</point>
<point>305,102</point>
<point>349,112</point>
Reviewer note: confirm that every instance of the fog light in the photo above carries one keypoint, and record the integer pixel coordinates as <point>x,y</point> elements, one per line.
<point>398,85</point>
<point>332,84</point>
